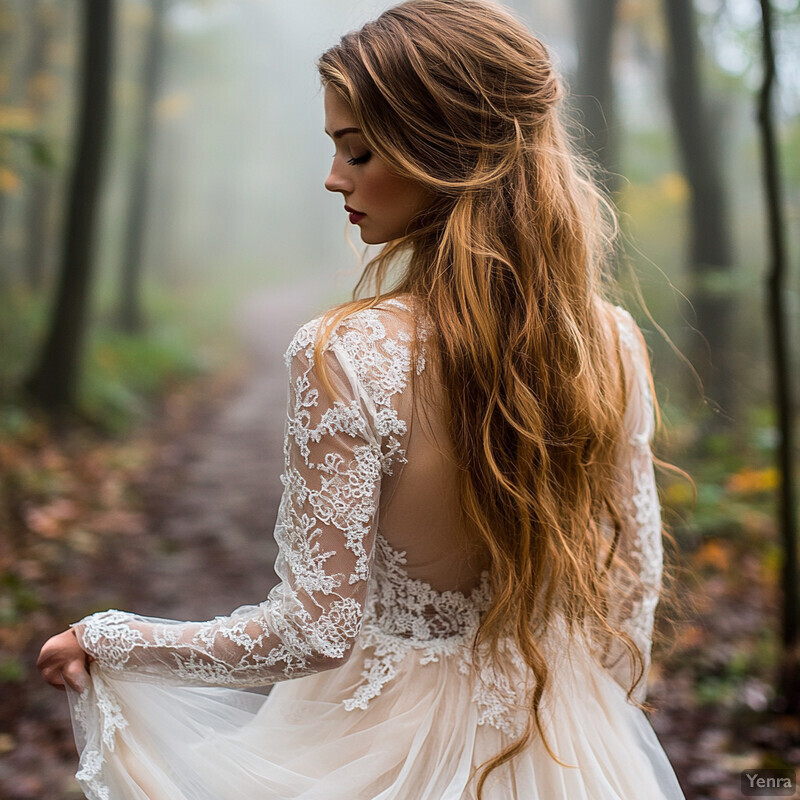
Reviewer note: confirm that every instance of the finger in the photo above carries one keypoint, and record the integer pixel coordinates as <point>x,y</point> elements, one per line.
<point>44,657</point>
<point>53,677</point>
<point>76,676</point>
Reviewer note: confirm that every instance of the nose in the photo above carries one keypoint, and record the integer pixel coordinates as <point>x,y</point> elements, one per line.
<point>336,181</point>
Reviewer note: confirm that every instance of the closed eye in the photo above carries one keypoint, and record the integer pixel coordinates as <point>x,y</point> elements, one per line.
<point>360,160</point>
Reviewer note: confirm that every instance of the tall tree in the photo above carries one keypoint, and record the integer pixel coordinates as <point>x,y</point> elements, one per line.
<point>782,369</point>
<point>54,380</point>
<point>44,20</point>
<point>130,314</point>
<point>593,86</point>
<point>710,252</point>
<point>9,28</point>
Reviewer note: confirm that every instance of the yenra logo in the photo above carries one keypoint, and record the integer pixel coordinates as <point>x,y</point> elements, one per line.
<point>757,782</point>
<point>768,782</point>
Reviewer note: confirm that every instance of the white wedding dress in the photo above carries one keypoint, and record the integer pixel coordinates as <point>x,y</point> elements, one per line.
<point>367,637</point>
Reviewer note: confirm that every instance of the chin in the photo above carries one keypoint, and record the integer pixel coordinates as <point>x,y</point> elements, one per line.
<point>371,238</point>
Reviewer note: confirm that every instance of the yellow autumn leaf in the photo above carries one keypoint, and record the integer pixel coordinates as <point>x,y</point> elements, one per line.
<point>753,480</point>
<point>712,554</point>
<point>673,187</point>
<point>772,564</point>
<point>679,494</point>
<point>16,118</point>
<point>9,180</point>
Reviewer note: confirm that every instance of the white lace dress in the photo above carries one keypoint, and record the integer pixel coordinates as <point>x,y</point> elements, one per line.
<point>367,636</point>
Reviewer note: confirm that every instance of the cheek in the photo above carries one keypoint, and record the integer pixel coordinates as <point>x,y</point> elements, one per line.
<point>389,191</point>
<point>378,189</point>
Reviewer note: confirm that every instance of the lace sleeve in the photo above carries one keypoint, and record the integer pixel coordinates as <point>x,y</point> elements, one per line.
<point>636,580</point>
<point>325,533</point>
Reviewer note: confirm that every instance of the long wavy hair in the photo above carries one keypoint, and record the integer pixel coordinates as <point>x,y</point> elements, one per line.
<point>510,262</point>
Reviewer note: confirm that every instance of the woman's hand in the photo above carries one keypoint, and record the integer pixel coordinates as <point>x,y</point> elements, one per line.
<point>63,661</point>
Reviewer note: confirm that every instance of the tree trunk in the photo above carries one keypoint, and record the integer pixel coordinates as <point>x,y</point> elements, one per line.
<point>9,70</point>
<point>130,316</point>
<point>53,382</point>
<point>710,255</point>
<point>39,190</point>
<point>778,319</point>
<point>593,90</point>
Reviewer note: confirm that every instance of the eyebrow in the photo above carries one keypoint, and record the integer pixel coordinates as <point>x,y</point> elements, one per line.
<point>342,131</point>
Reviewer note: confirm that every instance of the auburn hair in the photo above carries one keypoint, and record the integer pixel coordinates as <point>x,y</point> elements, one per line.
<point>510,262</point>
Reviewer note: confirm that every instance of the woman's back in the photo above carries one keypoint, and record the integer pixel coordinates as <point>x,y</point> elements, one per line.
<point>419,508</point>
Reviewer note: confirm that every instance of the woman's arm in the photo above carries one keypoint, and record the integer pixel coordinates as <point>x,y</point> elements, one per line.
<point>636,578</point>
<point>325,533</point>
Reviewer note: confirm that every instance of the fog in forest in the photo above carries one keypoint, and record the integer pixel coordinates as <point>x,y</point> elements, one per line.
<point>142,380</point>
<point>238,154</point>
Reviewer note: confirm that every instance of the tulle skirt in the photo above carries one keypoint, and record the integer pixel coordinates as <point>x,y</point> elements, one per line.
<point>419,739</point>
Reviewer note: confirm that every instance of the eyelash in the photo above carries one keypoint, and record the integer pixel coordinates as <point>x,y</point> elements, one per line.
<point>360,160</point>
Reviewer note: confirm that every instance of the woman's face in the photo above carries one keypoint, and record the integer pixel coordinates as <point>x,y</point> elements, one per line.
<point>380,202</point>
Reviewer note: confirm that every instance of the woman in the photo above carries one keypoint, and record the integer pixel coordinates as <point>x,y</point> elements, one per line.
<point>470,535</point>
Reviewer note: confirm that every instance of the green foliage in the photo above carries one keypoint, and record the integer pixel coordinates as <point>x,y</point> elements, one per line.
<point>12,670</point>
<point>790,152</point>
<point>15,421</point>
<point>724,685</point>
<point>734,476</point>
<point>123,372</point>
<point>22,319</point>
<point>186,333</point>
<point>17,599</point>
<point>20,147</point>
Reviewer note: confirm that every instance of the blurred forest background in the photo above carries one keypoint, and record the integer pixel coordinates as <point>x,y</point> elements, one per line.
<point>141,384</point>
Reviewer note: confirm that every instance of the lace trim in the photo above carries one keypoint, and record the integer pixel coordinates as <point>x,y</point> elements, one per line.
<point>99,717</point>
<point>326,489</point>
<point>643,512</point>
<point>405,615</point>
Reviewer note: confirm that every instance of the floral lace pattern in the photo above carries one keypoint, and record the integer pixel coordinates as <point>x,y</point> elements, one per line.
<point>341,581</point>
<point>406,615</point>
<point>637,588</point>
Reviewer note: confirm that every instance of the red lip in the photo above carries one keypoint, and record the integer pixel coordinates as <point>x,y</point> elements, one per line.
<point>355,216</point>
